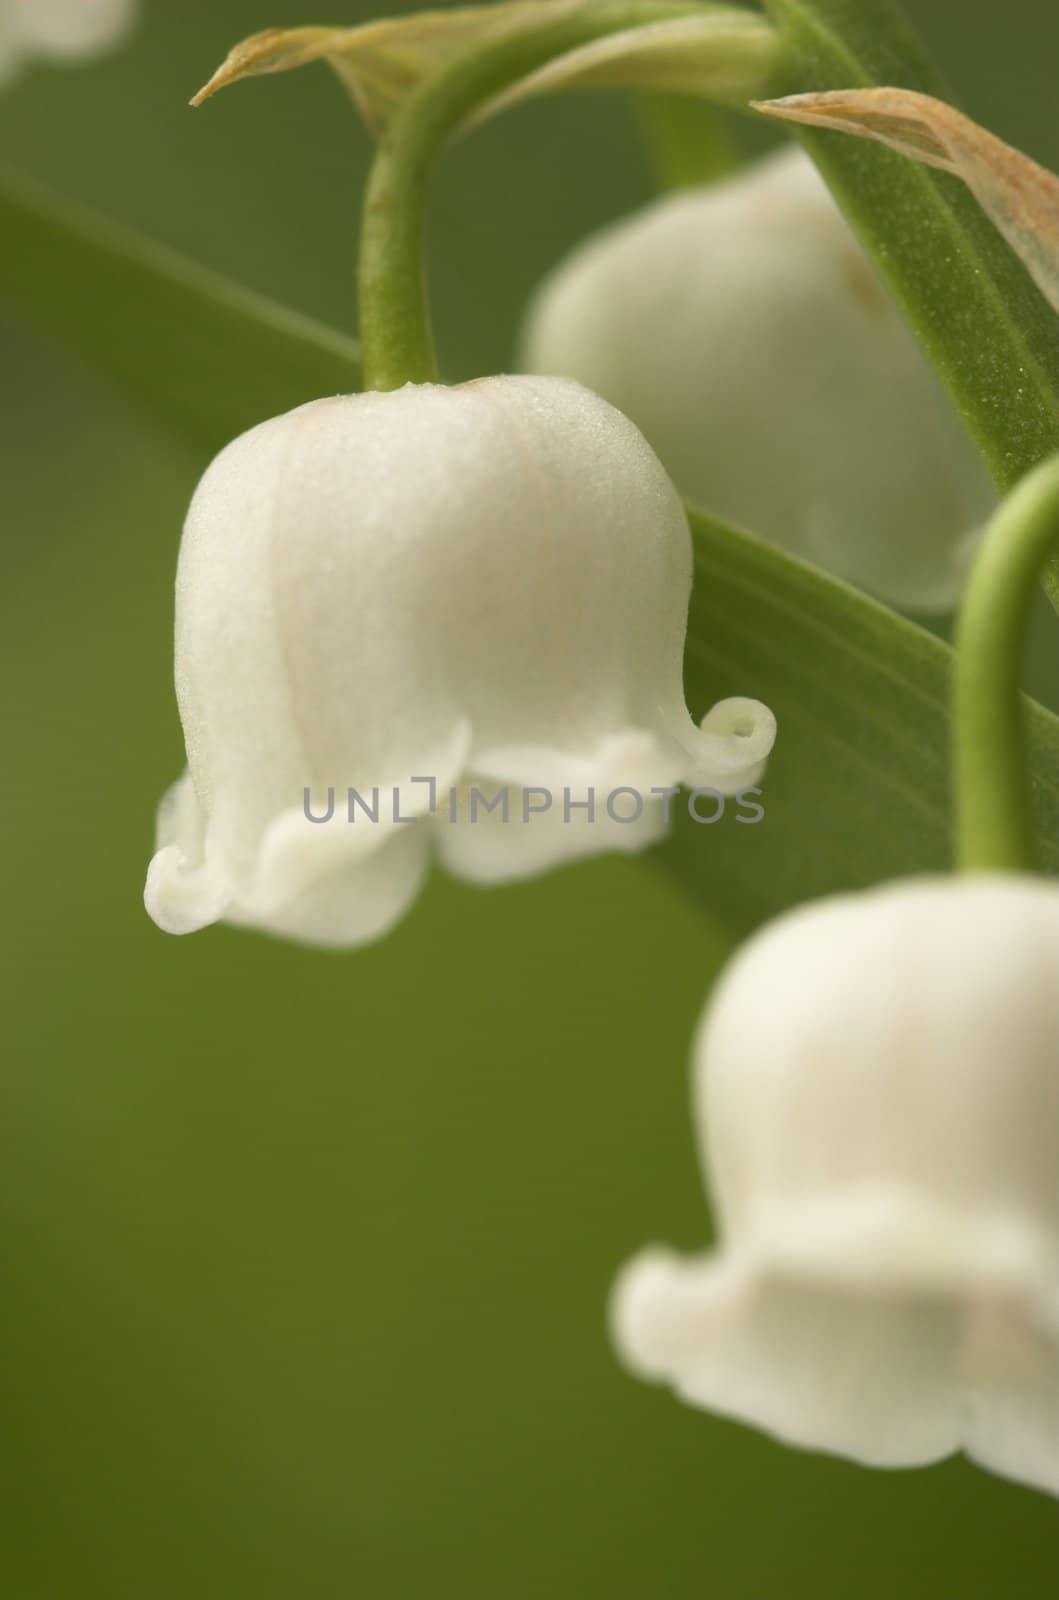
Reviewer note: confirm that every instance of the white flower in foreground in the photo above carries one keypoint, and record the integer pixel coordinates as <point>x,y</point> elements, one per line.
<point>743,328</point>
<point>60,30</point>
<point>878,1106</point>
<point>485,585</point>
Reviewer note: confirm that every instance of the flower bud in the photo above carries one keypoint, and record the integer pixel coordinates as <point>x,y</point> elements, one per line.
<point>452,618</point>
<point>60,29</point>
<point>743,328</point>
<point>878,1111</point>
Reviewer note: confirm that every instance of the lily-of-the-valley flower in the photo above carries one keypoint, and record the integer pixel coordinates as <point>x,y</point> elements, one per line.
<point>419,591</point>
<point>60,30</point>
<point>743,328</point>
<point>878,1109</point>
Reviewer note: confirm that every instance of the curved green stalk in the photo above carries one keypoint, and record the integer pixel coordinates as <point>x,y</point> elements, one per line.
<point>993,824</point>
<point>397,342</point>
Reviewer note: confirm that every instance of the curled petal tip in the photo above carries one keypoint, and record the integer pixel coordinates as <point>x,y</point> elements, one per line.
<point>661,1307</point>
<point>181,898</point>
<point>632,1311</point>
<point>736,737</point>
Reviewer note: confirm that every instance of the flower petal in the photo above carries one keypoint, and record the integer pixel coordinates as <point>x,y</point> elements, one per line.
<point>861,1375</point>
<point>1013,1369</point>
<point>183,893</point>
<point>68,28</point>
<point>735,740</point>
<point>527,809</point>
<point>742,327</point>
<point>351,896</point>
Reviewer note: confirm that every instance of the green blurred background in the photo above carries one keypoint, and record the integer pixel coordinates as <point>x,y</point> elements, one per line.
<point>304,1256</point>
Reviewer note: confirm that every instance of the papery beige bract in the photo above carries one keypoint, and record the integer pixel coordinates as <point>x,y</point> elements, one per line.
<point>1019,196</point>
<point>715,56</point>
<point>877,1093</point>
<point>379,62</point>
<point>424,591</point>
<point>724,54</point>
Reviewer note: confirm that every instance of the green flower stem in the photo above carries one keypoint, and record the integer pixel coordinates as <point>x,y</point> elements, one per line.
<point>396,338</point>
<point>688,143</point>
<point>993,822</point>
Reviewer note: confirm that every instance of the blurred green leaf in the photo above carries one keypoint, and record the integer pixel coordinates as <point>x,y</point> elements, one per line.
<point>689,144</point>
<point>202,352</point>
<point>858,786</point>
<point>992,336</point>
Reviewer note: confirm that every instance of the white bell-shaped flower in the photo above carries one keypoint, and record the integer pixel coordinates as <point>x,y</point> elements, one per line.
<point>60,30</point>
<point>878,1110</point>
<point>746,332</point>
<point>441,620</point>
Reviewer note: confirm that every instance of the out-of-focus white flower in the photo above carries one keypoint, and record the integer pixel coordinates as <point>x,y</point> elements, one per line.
<point>743,328</point>
<point>408,595</point>
<point>878,1109</point>
<point>60,30</point>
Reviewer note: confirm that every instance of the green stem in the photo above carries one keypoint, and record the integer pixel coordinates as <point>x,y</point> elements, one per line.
<point>396,339</point>
<point>689,144</point>
<point>993,820</point>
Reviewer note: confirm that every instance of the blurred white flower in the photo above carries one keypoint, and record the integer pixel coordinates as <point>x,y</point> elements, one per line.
<point>878,1110</point>
<point>60,30</point>
<point>406,595</point>
<point>743,328</point>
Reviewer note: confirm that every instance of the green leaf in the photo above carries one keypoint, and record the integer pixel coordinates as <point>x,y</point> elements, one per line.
<point>991,334</point>
<point>857,788</point>
<point>206,355</point>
